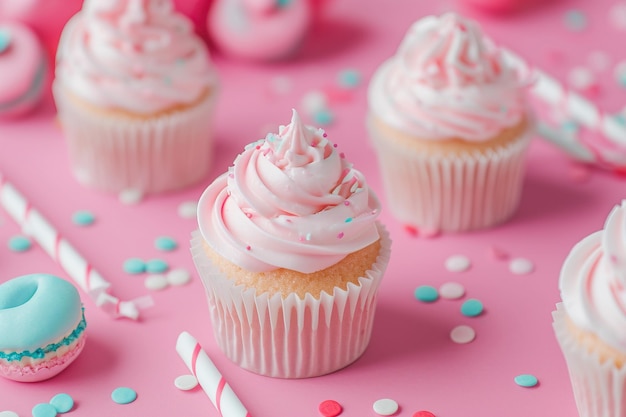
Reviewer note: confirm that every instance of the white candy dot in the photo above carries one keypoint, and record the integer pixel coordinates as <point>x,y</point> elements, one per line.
<point>281,84</point>
<point>580,78</point>
<point>130,196</point>
<point>314,101</point>
<point>617,15</point>
<point>8,414</point>
<point>457,263</point>
<point>462,334</point>
<point>451,290</point>
<point>178,277</point>
<point>385,407</point>
<point>185,382</point>
<point>188,209</point>
<point>155,282</point>
<point>521,266</point>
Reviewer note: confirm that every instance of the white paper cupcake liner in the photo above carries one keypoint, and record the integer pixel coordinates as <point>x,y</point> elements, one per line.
<point>599,388</point>
<point>291,337</point>
<point>149,155</point>
<point>451,193</point>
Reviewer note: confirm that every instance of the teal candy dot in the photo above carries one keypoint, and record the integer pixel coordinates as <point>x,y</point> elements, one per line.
<point>123,395</point>
<point>282,3</point>
<point>472,308</point>
<point>19,243</point>
<point>575,20</point>
<point>165,243</point>
<point>134,266</point>
<point>526,380</point>
<point>62,403</point>
<point>156,266</point>
<point>426,293</point>
<point>5,40</point>
<point>83,218</point>
<point>44,410</point>
<point>323,117</point>
<point>349,78</point>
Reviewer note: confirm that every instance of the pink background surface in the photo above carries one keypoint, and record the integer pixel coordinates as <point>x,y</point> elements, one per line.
<point>411,358</point>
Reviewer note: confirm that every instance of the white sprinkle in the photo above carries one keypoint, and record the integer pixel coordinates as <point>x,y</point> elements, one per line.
<point>521,266</point>
<point>186,382</point>
<point>580,78</point>
<point>617,16</point>
<point>451,290</point>
<point>385,407</point>
<point>179,276</point>
<point>462,334</point>
<point>155,282</point>
<point>8,414</point>
<point>281,84</point>
<point>188,209</point>
<point>130,196</point>
<point>457,263</point>
<point>314,101</point>
<point>599,61</point>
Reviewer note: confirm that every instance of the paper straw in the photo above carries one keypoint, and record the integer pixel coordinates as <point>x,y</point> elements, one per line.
<point>80,271</point>
<point>209,377</point>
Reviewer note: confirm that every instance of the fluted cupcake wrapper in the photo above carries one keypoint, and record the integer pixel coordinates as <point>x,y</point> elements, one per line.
<point>599,387</point>
<point>291,337</point>
<point>151,155</point>
<point>437,192</point>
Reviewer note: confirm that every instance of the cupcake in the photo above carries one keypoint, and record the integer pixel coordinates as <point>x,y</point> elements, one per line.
<point>135,92</point>
<point>291,255</point>
<point>450,125</point>
<point>590,321</point>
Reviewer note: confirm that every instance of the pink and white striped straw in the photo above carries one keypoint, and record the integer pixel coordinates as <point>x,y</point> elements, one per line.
<point>209,377</point>
<point>79,270</point>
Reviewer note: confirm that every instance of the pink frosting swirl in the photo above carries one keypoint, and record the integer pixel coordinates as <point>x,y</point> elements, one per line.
<point>135,55</point>
<point>289,201</point>
<point>446,80</point>
<point>593,281</point>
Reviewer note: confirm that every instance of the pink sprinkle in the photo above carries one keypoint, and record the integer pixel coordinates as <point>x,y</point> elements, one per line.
<point>498,254</point>
<point>337,95</point>
<point>326,135</point>
<point>412,230</point>
<point>340,235</point>
<point>248,247</point>
<point>342,155</point>
<point>249,215</point>
<point>346,203</point>
<point>334,144</point>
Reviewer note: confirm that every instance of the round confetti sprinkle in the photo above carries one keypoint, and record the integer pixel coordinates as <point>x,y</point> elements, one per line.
<point>83,218</point>
<point>314,101</point>
<point>130,196</point>
<point>349,78</point>
<point>521,266</point>
<point>188,209</point>
<point>155,282</point>
<point>452,290</point>
<point>44,410</point>
<point>186,382</point>
<point>165,243</point>
<point>62,403</point>
<point>426,293</point>
<point>178,277</point>
<point>575,20</point>
<point>423,413</point>
<point>134,266</point>
<point>457,263</point>
<point>156,266</point>
<point>330,408</point>
<point>323,117</point>
<point>19,243</point>
<point>472,308</point>
<point>526,380</point>
<point>462,334</point>
<point>385,407</point>
<point>8,414</point>
<point>281,84</point>
<point>123,395</point>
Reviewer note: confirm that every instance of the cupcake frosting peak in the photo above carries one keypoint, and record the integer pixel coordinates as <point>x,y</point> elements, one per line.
<point>593,281</point>
<point>289,201</point>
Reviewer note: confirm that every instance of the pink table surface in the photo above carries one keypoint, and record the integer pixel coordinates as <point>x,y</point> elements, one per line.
<point>411,358</point>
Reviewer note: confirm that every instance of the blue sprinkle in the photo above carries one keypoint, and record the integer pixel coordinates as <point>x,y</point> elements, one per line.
<point>5,40</point>
<point>349,78</point>
<point>426,293</point>
<point>123,395</point>
<point>282,3</point>
<point>575,20</point>
<point>165,243</point>
<point>19,243</point>
<point>156,266</point>
<point>44,410</point>
<point>526,380</point>
<point>472,308</point>
<point>83,218</point>
<point>134,266</point>
<point>323,117</point>
<point>570,126</point>
<point>62,403</point>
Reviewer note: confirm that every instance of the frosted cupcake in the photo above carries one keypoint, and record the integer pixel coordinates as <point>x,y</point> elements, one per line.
<point>450,125</point>
<point>291,255</point>
<point>590,322</point>
<point>135,93</point>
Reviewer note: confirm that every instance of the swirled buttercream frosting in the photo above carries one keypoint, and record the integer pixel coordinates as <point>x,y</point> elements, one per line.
<point>593,281</point>
<point>139,56</point>
<point>445,81</point>
<point>290,200</point>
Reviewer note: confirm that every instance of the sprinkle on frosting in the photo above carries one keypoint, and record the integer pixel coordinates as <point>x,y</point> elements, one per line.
<point>285,198</point>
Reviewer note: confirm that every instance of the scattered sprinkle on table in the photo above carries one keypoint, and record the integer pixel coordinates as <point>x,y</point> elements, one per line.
<point>323,117</point>
<point>462,334</point>
<point>156,266</point>
<point>186,382</point>
<point>130,196</point>
<point>19,243</point>
<point>188,209</point>
<point>472,308</point>
<point>497,253</point>
<point>165,243</point>
<point>457,263</point>
<point>8,414</point>
<point>330,408</point>
<point>575,20</point>
<point>385,407</point>
<point>134,266</point>
<point>451,290</point>
<point>423,413</point>
<point>521,266</point>
<point>349,78</point>
<point>155,282</point>
<point>314,101</point>
<point>83,218</point>
<point>178,277</point>
<point>44,410</point>
<point>426,293</point>
<point>526,380</point>
<point>123,395</point>
<point>62,402</point>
